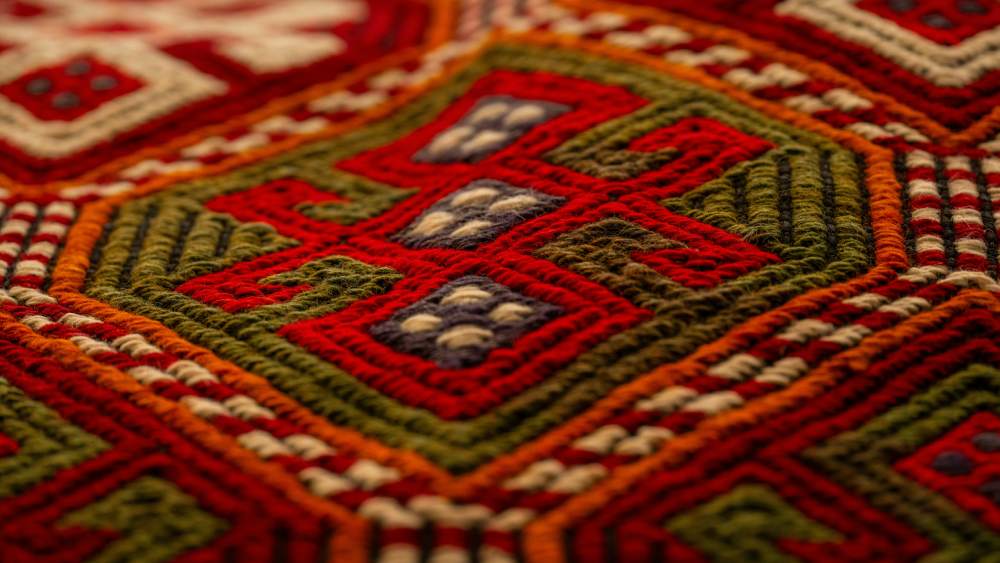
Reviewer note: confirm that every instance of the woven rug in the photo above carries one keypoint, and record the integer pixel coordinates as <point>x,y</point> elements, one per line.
<point>491,281</point>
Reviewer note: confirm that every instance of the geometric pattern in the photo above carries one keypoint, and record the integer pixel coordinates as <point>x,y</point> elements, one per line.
<point>926,465</point>
<point>190,61</point>
<point>760,515</point>
<point>492,124</point>
<point>243,32</point>
<point>857,455</point>
<point>71,118</point>
<point>946,42</point>
<point>144,512</point>
<point>67,91</point>
<point>931,55</point>
<point>337,340</point>
<point>475,214</point>
<point>966,475</point>
<point>37,442</point>
<point>952,205</point>
<point>553,280</point>
<point>927,18</point>
<point>98,502</point>
<point>459,324</point>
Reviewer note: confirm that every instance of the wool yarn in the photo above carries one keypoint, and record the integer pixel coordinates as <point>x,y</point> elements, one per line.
<point>544,281</point>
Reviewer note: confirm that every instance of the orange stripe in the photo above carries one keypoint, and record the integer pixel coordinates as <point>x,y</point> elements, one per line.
<point>189,425</point>
<point>885,203</point>
<point>813,68</point>
<point>442,18</point>
<point>734,341</point>
<point>254,155</point>
<point>890,253</point>
<point>70,272</point>
<point>68,277</point>
<point>983,130</point>
<point>543,538</point>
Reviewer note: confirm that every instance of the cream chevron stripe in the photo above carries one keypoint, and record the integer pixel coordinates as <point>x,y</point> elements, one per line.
<point>944,65</point>
<point>653,422</point>
<point>800,91</point>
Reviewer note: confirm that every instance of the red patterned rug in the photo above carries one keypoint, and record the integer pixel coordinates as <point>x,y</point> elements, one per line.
<point>492,281</point>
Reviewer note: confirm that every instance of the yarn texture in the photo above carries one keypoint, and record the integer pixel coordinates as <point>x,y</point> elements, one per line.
<point>499,281</point>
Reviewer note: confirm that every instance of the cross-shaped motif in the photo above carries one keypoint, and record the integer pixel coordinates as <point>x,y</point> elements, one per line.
<point>493,187</point>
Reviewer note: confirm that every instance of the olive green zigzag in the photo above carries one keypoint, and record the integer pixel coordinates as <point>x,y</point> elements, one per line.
<point>745,523</point>
<point>463,445</point>
<point>602,151</point>
<point>862,461</point>
<point>154,225</point>
<point>337,281</point>
<point>156,520</point>
<point>47,443</point>
<point>602,251</point>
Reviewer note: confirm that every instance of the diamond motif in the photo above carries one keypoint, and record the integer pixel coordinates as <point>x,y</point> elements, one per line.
<point>461,323</point>
<point>656,165</point>
<point>477,213</point>
<point>528,299</point>
<point>71,89</point>
<point>963,464</point>
<point>126,83</point>
<point>491,125</point>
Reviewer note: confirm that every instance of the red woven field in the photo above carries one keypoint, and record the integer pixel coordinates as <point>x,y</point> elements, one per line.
<point>518,280</point>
